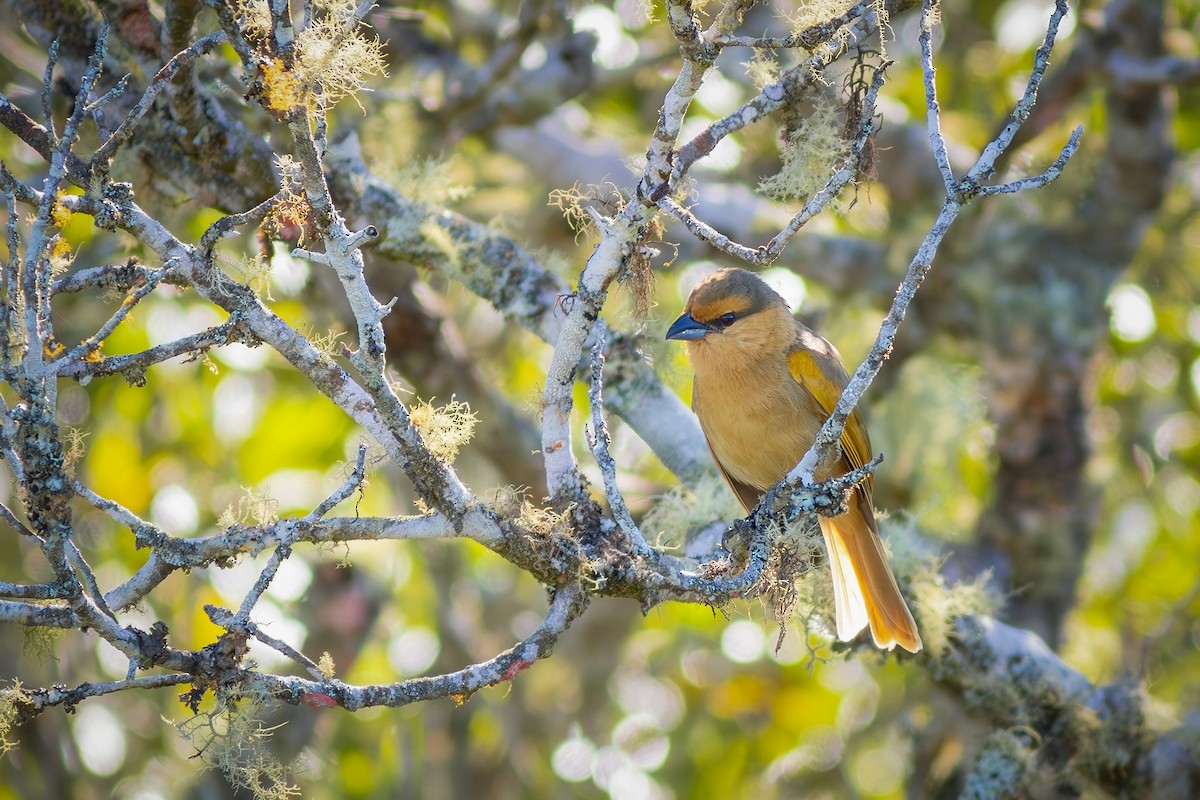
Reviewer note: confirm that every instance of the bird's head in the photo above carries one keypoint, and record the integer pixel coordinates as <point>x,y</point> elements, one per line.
<point>734,312</point>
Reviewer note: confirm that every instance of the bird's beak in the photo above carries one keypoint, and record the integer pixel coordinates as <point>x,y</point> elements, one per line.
<point>687,328</point>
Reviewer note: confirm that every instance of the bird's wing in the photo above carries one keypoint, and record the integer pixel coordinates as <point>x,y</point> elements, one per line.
<point>821,375</point>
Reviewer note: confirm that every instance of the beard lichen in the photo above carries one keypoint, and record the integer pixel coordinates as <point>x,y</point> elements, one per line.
<point>11,701</point>
<point>233,737</point>
<point>810,155</point>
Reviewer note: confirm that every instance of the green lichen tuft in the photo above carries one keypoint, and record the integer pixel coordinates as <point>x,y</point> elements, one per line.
<point>935,603</point>
<point>810,156</point>
<point>233,738</point>
<point>11,700</point>
<point>682,511</point>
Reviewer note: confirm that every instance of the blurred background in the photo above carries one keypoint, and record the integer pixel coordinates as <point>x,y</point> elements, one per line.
<point>1040,417</point>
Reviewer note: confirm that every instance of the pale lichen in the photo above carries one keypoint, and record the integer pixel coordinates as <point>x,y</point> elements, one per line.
<point>811,154</point>
<point>1000,770</point>
<point>290,209</point>
<point>332,57</point>
<point>683,510</point>
<point>11,700</point>
<point>936,603</point>
<point>326,666</point>
<point>232,738</point>
<point>763,69</point>
<point>73,448</point>
<point>252,508</point>
<point>445,428</point>
<point>428,180</point>
<point>575,202</point>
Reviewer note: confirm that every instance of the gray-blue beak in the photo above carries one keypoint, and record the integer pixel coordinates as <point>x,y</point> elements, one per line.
<point>688,328</point>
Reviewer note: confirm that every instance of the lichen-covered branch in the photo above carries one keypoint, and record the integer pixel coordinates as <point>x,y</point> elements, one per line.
<point>1053,719</point>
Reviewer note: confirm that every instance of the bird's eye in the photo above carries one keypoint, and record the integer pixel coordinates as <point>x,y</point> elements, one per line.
<point>727,319</point>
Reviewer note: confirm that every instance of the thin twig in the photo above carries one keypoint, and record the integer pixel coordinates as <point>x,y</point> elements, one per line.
<point>40,699</point>
<point>933,115</point>
<point>845,174</point>
<point>48,93</point>
<point>36,279</point>
<point>230,222</point>
<point>119,276</point>
<point>91,585</point>
<point>289,532</point>
<point>352,484</point>
<point>161,79</point>
<point>1038,181</point>
<point>20,527</point>
<point>35,591</point>
<point>598,440</point>
<point>569,601</point>
<point>134,365</point>
<point>91,344</point>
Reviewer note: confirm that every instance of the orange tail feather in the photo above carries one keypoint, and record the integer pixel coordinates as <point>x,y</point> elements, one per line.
<point>864,589</point>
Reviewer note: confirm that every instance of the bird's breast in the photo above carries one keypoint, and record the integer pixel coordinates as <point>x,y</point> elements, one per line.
<point>754,421</point>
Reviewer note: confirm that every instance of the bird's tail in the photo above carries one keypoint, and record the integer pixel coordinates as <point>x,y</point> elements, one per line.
<point>864,590</point>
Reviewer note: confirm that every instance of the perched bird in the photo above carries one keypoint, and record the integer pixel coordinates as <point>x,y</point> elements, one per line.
<point>764,385</point>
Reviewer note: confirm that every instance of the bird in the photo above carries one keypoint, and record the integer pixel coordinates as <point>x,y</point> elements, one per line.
<point>763,385</point>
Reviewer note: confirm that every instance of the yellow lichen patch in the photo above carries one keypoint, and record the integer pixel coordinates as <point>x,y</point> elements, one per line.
<point>61,256</point>
<point>332,57</point>
<point>60,215</point>
<point>281,87</point>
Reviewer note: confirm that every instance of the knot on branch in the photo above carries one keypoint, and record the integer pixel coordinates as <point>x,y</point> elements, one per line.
<point>152,645</point>
<point>967,189</point>
<point>789,499</point>
<point>361,237</point>
<point>219,665</point>
<point>110,209</point>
